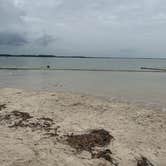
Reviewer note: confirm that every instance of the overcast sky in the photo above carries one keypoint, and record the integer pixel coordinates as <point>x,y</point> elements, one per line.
<point>134,28</point>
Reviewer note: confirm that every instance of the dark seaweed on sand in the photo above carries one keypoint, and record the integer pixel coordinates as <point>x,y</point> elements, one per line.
<point>2,106</point>
<point>95,138</point>
<point>22,121</point>
<point>22,115</point>
<point>17,119</point>
<point>15,116</point>
<point>105,154</point>
<point>143,161</point>
<point>99,138</point>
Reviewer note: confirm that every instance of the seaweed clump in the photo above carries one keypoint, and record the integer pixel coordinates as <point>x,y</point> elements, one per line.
<point>95,138</point>
<point>143,161</point>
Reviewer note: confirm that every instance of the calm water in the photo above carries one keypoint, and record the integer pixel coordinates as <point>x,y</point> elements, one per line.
<point>131,86</point>
<point>69,63</point>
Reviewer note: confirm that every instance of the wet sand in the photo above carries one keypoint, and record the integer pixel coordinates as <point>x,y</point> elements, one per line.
<point>47,117</point>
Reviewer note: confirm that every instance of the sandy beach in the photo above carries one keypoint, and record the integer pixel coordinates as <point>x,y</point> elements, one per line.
<point>35,125</point>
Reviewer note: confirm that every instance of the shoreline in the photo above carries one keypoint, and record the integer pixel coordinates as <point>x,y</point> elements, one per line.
<point>140,88</point>
<point>152,70</point>
<point>137,130</point>
<point>142,103</point>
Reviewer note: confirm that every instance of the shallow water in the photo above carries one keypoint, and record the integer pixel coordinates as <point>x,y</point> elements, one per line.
<point>82,63</point>
<point>130,86</point>
<point>137,87</point>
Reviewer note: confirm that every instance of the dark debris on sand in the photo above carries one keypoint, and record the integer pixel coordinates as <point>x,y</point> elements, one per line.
<point>95,138</point>
<point>105,154</point>
<point>18,119</point>
<point>89,141</point>
<point>53,132</point>
<point>143,161</point>
<point>21,115</point>
<point>2,106</point>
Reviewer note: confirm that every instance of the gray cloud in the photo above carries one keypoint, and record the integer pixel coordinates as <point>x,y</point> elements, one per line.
<point>91,27</point>
<point>10,16</point>
<point>45,40</point>
<point>12,39</point>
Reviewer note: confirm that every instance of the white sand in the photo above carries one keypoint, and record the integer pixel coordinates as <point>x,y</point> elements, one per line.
<point>137,130</point>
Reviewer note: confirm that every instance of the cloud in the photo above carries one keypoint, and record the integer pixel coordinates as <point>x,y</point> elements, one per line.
<point>45,40</point>
<point>97,27</point>
<point>10,16</point>
<point>12,39</point>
